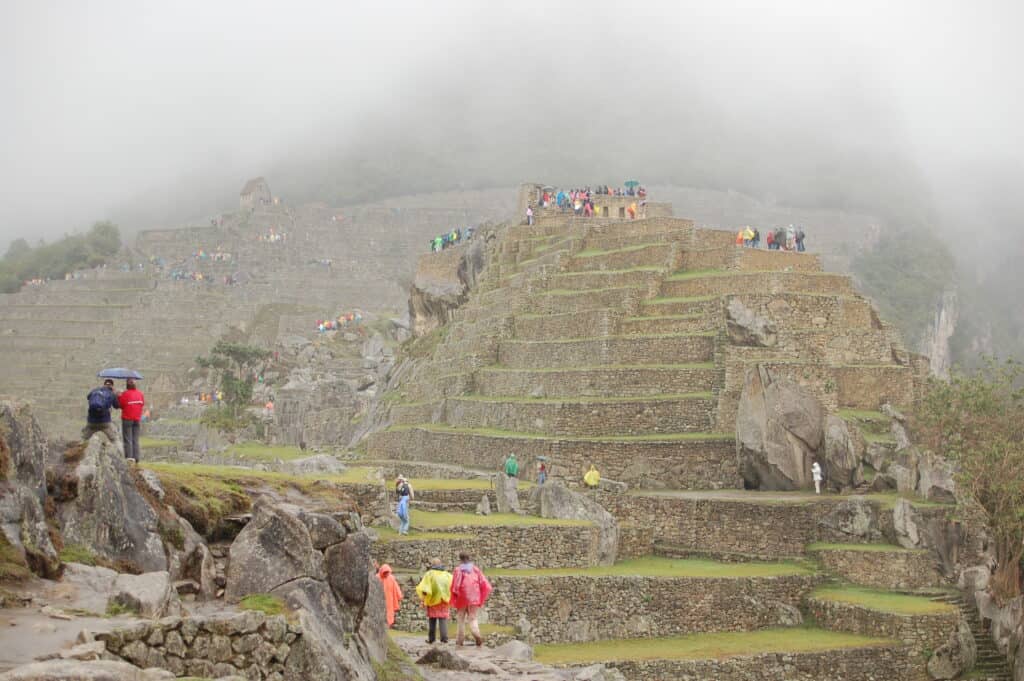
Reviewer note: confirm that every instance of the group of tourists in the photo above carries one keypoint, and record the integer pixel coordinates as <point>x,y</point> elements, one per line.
<point>452,238</point>
<point>343,320</point>
<point>592,478</point>
<point>790,238</point>
<point>216,256</point>
<point>465,589</point>
<point>132,404</point>
<point>272,236</point>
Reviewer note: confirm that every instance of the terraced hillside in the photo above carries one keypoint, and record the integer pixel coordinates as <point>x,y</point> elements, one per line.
<point>54,337</point>
<point>621,344</point>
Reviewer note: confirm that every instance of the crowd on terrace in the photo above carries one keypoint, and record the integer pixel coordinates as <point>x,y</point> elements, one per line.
<point>343,320</point>
<point>789,238</point>
<point>580,201</point>
<point>452,238</point>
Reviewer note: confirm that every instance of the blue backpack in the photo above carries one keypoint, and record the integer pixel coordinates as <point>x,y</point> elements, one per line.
<point>99,402</point>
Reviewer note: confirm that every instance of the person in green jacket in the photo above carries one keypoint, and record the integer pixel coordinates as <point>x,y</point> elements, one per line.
<point>511,466</point>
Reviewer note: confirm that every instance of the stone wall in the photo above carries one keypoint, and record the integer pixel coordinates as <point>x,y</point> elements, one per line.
<point>891,663</point>
<point>921,633</point>
<point>616,350</point>
<point>682,464</point>
<point>758,282</point>
<point>634,381</point>
<point>588,608</point>
<point>515,547</point>
<point>248,644</point>
<point>896,569</point>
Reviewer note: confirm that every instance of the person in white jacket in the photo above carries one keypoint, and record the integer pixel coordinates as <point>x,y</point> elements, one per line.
<point>816,474</point>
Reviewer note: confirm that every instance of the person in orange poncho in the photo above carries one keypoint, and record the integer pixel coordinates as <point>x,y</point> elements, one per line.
<point>392,594</point>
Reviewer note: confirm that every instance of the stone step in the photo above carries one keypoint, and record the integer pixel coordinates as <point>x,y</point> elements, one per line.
<point>719,283</point>
<point>616,350</point>
<point>595,381</point>
<point>590,417</point>
<point>685,461</point>
<point>675,307</point>
<point>671,324</point>
<point>556,301</point>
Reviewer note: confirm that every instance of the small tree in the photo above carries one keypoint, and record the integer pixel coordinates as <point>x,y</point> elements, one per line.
<point>236,363</point>
<point>977,420</point>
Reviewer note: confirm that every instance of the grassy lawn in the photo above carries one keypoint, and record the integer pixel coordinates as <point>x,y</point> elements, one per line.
<point>865,548</point>
<point>698,274</point>
<point>257,451</point>
<point>882,601</point>
<point>704,646</point>
<point>656,566</point>
<point>436,520</point>
<point>863,415</point>
<point>150,442</point>
<point>585,291</point>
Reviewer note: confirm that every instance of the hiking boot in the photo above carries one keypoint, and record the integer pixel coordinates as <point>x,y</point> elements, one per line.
<point>479,640</point>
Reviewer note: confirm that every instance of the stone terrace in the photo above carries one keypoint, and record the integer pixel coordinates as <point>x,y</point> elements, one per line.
<point>604,341</point>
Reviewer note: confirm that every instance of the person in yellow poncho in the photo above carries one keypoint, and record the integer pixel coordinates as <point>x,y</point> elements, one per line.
<point>592,478</point>
<point>435,590</point>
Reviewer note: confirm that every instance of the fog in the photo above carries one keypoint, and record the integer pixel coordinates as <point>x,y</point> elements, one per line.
<point>151,113</point>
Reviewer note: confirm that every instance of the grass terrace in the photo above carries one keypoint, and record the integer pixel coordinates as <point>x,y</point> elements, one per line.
<point>607,367</point>
<point>586,399</point>
<point>439,520</point>
<point>493,432</point>
<point>257,451</point>
<point>657,566</point>
<point>882,601</point>
<point>865,548</point>
<point>593,252</point>
<point>704,646</point>
<point>153,442</point>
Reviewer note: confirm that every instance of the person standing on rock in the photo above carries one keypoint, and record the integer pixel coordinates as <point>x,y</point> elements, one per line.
<point>392,593</point>
<point>132,403</point>
<point>101,401</point>
<point>512,466</point>
<point>470,590</point>
<point>529,215</point>
<point>404,492</point>
<point>435,590</point>
<point>816,474</point>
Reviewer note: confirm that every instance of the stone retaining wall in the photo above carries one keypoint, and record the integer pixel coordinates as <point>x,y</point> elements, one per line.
<point>761,259</point>
<point>588,608</point>
<point>248,644</point>
<point>560,302</point>
<point>626,349</point>
<point>921,633</point>
<point>504,546</point>
<point>635,381</point>
<point>758,282</point>
<point>655,255</point>
<point>576,324</point>
<point>891,663</point>
<point>896,569</point>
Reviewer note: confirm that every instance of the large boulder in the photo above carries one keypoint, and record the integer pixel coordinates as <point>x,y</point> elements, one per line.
<point>844,453</point>
<point>779,428</point>
<point>936,478</point>
<point>76,670</point>
<point>746,327</point>
<point>956,656</point>
<point>854,520</point>
<point>442,284</point>
<point>98,506</point>
<point>506,493</point>
<point>555,500</point>
<point>274,548</point>
<point>317,464</point>
<point>150,594</point>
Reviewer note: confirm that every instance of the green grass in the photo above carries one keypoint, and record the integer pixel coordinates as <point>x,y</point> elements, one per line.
<point>396,665</point>
<point>268,604</point>
<point>436,520</point>
<point>863,415</point>
<point>652,336</point>
<point>865,548</point>
<point>257,451</point>
<point>151,442</point>
<point>882,601</point>
<point>493,432</point>
<point>586,400</point>
<point>628,270</point>
<point>585,291</point>
<point>678,299</point>
<point>656,566</point>
<point>698,274</point>
<point>593,252</point>
<point>880,438</point>
<point>704,646</point>
<point>12,565</point>
<point>75,553</point>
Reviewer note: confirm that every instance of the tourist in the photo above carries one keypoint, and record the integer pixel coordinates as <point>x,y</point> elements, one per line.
<point>470,590</point>
<point>800,240</point>
<point>816,474</point>
<point>542,472</point>
<point>392,593</point>
<point>511,466</point>
<point>404,491</point>
<point>769,240</point>
<point>435,590</point>
<point>632,211</point>
<point>101,400</point>
<point>529,215</point>
<point>592,478</point>
<point>739,238</point>
<point>790,238</point>
<point>132,402</point>
<point>404,488</point>
<point>756,241</point>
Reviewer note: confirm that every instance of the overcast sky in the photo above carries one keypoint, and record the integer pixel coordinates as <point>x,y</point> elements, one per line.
<point>106,102</point>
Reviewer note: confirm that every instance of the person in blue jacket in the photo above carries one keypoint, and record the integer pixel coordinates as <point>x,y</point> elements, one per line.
<point>101,401</point>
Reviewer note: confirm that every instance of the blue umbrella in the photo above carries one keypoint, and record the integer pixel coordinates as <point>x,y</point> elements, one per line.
<point>120,372</point>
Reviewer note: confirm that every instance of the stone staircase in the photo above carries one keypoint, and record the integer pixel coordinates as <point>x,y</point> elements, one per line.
<point>991,664</point>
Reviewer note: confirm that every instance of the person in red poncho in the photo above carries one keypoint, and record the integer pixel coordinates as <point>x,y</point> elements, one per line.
<point>470,590</point>
<point>392,593</point>
<point>132,403</point>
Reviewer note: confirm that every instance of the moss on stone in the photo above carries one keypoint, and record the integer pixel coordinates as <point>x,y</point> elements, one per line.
<point>882,601</point>
<point>268,604</point>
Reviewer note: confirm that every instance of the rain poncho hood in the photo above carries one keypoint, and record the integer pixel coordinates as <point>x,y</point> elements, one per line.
<point>435,587</point>
<point>392,593</point>
<point>469,586</point>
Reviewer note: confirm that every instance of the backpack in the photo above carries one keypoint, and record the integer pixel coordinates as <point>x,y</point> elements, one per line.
<point>98,402</point>
<point>402,490</point>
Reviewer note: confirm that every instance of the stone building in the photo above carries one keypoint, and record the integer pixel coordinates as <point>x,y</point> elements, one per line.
<point>254,194</point>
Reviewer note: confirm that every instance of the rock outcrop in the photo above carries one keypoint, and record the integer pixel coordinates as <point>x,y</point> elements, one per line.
<point>23,489</point>
<point>746,327</point>
<point>320,566</point>
<point>442,284</point>
<point>99,507</point>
